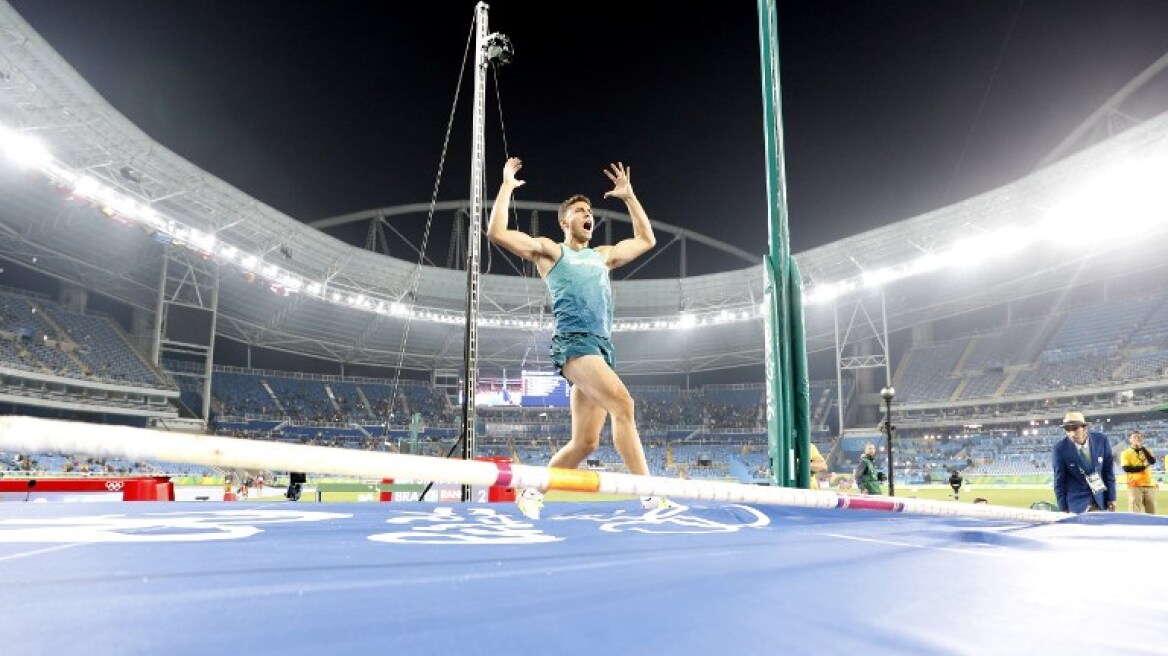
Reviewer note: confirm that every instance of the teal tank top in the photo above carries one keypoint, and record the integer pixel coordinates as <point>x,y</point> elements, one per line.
<point>581,293</point>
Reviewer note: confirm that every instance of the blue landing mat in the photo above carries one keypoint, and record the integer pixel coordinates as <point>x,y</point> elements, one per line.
<point>589,578</point>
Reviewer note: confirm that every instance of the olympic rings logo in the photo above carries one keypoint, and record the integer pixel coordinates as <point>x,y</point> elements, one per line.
<point>114,486</point>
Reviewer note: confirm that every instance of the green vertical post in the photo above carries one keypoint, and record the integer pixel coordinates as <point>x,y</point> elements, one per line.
<point>788,396</point>
<point>800,379</point>
<point>415,430</point>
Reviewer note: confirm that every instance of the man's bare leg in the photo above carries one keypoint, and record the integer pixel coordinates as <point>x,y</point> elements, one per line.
<point>587,420</point>
<point>596,392</point>
<point>592,378</point>
<point>595,381</point>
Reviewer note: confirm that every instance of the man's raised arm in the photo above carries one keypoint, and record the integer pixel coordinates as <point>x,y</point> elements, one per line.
<point>519,243</point>
<point>643,239</point>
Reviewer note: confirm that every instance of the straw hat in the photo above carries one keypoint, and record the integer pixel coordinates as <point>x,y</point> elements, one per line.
<point>1074,419</point>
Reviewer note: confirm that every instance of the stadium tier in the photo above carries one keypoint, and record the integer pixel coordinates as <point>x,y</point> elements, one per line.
<point>716,430</point>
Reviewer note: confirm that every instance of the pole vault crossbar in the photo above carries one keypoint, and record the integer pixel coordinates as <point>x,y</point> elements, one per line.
<point>36,435</point>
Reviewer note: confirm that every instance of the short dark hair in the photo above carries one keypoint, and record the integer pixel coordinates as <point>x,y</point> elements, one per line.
<point>568,203</point>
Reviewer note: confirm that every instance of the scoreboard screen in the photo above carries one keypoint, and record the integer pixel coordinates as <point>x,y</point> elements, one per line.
<point>544,389</point>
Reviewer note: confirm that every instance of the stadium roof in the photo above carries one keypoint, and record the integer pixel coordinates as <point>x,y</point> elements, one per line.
<point>358,313</point>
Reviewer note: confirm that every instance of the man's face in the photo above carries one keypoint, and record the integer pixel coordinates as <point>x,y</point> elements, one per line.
<point>1135,440</point>
<point>1076,433</point>
<point>870,449</point>
<point>577,223</point>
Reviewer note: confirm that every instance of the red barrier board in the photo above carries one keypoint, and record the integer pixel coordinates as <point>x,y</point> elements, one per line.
<point>132,488</point>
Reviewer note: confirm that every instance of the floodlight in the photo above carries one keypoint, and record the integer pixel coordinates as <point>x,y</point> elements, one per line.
<point>23,149</point>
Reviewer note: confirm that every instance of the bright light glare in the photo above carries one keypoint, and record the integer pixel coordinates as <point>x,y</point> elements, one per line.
<point>925,263</point>
<point>23,149</point>
<point>1009,241</point>
<point>86,186</point>
<point>1125,201</point>
<point>879,277</point>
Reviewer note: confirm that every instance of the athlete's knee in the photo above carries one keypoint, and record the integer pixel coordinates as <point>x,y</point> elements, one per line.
<point>623,406</point>
<point>585,444</point>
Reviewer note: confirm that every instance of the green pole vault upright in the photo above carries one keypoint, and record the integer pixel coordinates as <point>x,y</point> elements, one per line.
<point>788,396</point>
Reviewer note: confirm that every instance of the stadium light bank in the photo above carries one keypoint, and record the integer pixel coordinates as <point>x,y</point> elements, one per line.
<point>1130,194</point>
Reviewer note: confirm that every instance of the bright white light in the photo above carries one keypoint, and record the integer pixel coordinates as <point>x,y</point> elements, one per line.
<point>879,277</point>
<point>1125,201</point>
<point>203,241</point>
<point>1135,195</point>
<point>925,263</point>
<point>966,254</point>
<point>686,321</point>
<point>150,217</point>
<point>820,294</point>
<point>23,149</point>
<point>1009,241</point>
<point>125,206</point>
<point>828,292</point>
<point>86,186</point>
<point>119,203</point>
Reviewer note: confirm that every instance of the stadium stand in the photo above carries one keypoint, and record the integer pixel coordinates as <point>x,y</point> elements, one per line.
<point>715,431</point>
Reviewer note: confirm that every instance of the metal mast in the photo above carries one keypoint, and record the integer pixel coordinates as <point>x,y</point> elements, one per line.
<point>474,241</point>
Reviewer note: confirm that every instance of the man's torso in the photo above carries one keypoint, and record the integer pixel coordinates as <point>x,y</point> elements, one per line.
<point>581,293</point>
<point>1140,478</point>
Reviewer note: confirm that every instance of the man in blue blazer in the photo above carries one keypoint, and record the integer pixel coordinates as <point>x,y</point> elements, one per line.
<point>1084,468</point>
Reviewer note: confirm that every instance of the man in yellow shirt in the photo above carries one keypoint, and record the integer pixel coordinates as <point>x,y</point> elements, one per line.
<point>818,465</point>
<point>1137,461</point>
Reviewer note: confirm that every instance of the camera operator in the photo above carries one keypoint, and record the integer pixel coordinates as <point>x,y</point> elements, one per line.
<point>867,478</point>
<point>1137,461</point>
<point>296,481</point>
<point>955,482</point>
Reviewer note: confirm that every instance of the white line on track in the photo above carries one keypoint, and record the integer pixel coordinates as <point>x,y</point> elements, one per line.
<point>38,552</point>
<point>991,552</point>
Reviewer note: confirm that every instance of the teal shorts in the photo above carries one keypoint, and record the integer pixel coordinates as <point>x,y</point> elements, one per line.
<point>573,345</point>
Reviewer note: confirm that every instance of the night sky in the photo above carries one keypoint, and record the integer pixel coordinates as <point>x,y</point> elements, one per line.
<point>891,108</point>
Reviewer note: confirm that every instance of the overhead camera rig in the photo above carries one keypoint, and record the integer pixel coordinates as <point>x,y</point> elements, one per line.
<point>498,49</point>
